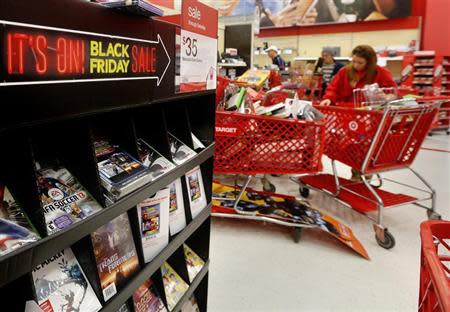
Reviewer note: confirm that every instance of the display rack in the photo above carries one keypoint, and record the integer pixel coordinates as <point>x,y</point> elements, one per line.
<point>422,71</point>
<point>446,75</point>
<point>57,115</point>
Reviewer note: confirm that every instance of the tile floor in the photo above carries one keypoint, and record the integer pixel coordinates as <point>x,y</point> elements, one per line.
<point>258,267</point>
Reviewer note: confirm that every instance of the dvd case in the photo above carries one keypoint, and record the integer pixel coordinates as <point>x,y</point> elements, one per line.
<point>115,255</point>
<point>194,263</point>
<point>174,285</point>
<point>15,228</point>
<point>64,200</point>
<point>196,190</point>
<point>154,161</point>
<point>120,173</point>
<point>177,216</point>
<point>153,214</point>
<point>180,152</point>
<point>61,285</point>
<point>146,299</point>
<point>190,305</point>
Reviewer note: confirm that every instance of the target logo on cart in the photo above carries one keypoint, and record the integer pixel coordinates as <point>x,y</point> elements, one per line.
<point>227,131</point>
<point>353,125</point>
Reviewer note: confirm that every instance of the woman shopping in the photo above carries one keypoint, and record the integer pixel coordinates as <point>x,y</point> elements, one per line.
<point>362,70</point>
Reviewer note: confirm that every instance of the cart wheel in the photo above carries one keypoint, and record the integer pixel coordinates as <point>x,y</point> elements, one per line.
<point>430,134</point>
<point>433,215</point>
<point>448,132</point>
<point>297,234</point>
<point>269,187</point>
<point>388,242</point>
<point>304,191</point>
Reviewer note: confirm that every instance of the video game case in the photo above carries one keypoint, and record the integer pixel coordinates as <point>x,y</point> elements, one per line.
<point>120,173</point>
<point>146,299</point>
<point>156,163</point>
<point>196,190</point>
<point>180,152</point>
<point>190,305</point>
<point>194,263</point>
<point>15,228</point>
<point>153,214</point>
<point>124,308</point>
<point>115,193</point>
<point>177,215</point>
<point>64,200</point>
<point>61,285</point>
<point>174,285</point>
<point>115,255</point>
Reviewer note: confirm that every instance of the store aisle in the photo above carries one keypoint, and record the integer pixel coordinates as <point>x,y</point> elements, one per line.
<point>258,267</point>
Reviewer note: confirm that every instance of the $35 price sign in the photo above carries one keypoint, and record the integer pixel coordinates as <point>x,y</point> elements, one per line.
<point>190,46</point>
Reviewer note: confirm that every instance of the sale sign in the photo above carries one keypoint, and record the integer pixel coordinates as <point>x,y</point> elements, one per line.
<point>34,54</point>
<point>198,53</point>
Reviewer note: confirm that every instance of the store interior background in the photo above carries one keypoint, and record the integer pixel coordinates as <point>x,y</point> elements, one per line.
<point>425,29</point>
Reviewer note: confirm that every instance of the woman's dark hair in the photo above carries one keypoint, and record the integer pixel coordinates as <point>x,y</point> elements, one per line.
<point>368,53</point>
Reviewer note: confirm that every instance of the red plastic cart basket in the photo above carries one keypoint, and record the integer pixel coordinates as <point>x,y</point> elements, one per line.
<point>251,144</point>
<point>374,141</point>
<point>434,292</point>
<point>442,120</point>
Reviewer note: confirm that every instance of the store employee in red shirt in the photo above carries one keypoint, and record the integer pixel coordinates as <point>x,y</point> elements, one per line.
<point>361,71</point>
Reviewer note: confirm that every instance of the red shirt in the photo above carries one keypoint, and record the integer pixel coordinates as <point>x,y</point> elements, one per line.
<point>340,91</point>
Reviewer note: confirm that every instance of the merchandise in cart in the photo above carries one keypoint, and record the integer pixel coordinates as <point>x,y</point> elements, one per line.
<point>251,144</point>
<point>374,140</point>
<point>434,293</point>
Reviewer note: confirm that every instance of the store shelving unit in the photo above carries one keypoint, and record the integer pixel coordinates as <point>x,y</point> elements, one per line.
<point>446,75</point>
<point>420,71</point>
<point>59,119</point>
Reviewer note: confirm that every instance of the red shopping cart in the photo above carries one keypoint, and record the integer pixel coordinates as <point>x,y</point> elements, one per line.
<point>248,145</point>
<point>372,142</point>
<point>434,292</point>
<point>442,120</point>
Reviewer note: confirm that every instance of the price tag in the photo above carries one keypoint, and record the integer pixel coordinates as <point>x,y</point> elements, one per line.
<point>198,47</point>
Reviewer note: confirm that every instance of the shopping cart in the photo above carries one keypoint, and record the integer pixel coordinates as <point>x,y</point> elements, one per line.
<point>442,120</point>
<point>372,142</point>
<point>248,145</point>
<point>434,291</point>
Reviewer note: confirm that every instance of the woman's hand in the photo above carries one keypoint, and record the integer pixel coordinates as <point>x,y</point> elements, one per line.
<point>325,102</point>
<point>289,16</point>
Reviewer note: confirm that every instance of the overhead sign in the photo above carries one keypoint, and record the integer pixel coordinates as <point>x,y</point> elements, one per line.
<point>198,44</point>
<point>33,54</point>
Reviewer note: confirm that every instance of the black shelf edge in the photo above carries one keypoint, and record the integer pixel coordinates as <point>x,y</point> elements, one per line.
<point>116,302</point>
<point>181,96</point>
<point>25,259</point>
<point>80,115</point>
<point>197,280</point>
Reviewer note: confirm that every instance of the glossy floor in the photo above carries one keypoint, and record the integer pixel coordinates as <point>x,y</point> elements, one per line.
<point>258,267</point>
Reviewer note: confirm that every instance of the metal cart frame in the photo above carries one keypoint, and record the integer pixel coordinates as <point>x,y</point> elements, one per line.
<point>393,125</point>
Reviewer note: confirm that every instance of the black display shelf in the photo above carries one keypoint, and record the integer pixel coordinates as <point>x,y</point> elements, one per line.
<point>182,96</point>
<point>45,105</point>
<point>23,260</point>
<point>148,270</point>
<point>193,287</point>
